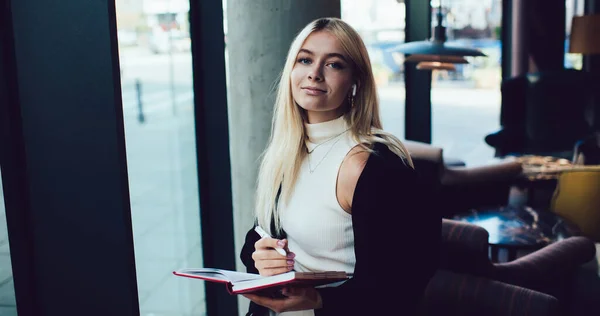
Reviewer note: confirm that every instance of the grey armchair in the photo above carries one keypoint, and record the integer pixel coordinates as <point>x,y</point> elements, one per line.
<point>458,189</point>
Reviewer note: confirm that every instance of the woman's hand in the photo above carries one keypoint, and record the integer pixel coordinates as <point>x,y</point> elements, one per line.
<point>296,299</point>
<point>268,261</point>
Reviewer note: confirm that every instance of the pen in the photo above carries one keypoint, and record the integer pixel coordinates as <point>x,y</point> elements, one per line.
<point>264,234</point>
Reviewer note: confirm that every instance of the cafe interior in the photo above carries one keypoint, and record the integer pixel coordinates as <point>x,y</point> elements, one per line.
<point>520,234</point>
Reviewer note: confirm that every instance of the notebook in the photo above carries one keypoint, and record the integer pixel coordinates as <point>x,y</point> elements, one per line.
<point>240,282</point>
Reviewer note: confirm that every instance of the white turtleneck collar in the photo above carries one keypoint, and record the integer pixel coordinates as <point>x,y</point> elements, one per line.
<point>319,133</point>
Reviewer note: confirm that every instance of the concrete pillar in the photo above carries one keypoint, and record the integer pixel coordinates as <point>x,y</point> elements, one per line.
<point>258,37</point>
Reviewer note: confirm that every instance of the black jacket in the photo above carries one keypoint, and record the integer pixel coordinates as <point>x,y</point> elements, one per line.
<point>396,243</point>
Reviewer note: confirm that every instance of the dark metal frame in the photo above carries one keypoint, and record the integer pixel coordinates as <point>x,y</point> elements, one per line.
<point>212,139</point>
<point>12,153</point>
<point>506,40</point>
<point>507,47</point>
<point>417,120</point>
<point>63,158</point>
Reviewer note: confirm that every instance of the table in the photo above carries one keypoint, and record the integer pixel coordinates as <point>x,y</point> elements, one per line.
<point>535,185</point>
<point>519,228</point>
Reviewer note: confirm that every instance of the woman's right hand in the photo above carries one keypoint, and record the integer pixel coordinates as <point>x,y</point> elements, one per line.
<point>268,261</point>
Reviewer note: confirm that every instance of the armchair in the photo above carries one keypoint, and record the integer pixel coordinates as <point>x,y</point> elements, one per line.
<point>576,199</point>
<point>450,293</point>
<point>550,270</point>
<point>459,188</point>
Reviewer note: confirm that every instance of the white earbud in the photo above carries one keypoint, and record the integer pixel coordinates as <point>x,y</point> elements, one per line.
<point>354,90</point>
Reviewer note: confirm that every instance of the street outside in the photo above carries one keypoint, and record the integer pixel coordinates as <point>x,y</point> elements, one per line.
<point>161,156</point>
<point>461,118</point>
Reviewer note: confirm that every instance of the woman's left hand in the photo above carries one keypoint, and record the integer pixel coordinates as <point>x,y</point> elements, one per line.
<point>297,298</point>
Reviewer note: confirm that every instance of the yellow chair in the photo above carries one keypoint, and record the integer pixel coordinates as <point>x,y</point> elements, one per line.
<point>577,199</point>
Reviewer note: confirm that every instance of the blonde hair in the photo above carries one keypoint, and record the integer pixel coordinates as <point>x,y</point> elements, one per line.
<point>283,156</point>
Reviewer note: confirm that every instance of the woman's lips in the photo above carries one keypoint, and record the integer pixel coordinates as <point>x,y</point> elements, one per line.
<point>313,91</point>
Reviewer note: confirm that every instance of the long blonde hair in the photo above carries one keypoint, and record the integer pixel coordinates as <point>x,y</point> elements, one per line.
<point>284,154</point>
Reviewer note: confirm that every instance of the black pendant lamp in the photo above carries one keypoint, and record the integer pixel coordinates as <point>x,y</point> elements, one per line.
<point>436,50</point>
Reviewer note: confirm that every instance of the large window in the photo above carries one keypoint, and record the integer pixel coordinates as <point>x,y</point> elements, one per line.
<point>7,288</point>
<point>381,25</point>
<point>466,102</point>
<point>156,76</point>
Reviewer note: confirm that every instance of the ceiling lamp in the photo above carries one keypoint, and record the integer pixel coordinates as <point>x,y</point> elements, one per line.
<point>437,46</point>
<point>584,35</point>
<point>435,65</point>
<point>436,58</point>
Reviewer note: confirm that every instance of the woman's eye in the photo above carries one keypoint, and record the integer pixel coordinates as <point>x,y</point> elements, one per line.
<point>336,65</point>
<point>304,61</point>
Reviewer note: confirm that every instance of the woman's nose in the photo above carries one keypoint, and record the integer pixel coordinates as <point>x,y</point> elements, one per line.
<point>315,73</point>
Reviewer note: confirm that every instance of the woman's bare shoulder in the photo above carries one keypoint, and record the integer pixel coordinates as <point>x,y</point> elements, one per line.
<point>349,173</point>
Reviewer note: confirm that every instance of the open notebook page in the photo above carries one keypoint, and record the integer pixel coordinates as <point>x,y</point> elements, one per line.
<point>225,275</point>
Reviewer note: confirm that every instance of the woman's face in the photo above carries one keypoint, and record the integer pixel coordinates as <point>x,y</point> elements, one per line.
<point>321,77</point>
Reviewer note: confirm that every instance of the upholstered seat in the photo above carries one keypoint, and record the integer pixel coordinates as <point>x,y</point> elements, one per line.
<point>550,270</point>
<point>450,293</point>
<point>460,188</point>
<point>577,199</point>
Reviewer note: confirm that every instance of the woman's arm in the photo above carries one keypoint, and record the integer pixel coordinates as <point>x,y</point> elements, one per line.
<point>397,239</point>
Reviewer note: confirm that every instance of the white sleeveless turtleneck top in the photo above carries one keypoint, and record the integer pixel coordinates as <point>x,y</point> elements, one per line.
<point>318,229</point>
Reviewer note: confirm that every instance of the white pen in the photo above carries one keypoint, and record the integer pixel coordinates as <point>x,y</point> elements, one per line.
<point>264,234</point>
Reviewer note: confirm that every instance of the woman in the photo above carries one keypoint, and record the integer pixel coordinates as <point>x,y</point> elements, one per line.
<point>338,192</point>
